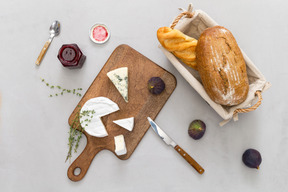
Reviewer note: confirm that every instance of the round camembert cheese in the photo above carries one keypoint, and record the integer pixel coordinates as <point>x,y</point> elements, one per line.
<point>101,106</point>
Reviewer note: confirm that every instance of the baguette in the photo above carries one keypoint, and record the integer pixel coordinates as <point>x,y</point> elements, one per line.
<point>181,45</point>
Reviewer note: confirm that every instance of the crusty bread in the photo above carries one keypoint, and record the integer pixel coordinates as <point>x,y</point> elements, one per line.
<point>222,67</point>
<point>181,45</point>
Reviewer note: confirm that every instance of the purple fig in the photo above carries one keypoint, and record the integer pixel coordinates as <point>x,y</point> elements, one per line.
<point>196,129</point>
<point>252,158</point>
<point>156,85</point>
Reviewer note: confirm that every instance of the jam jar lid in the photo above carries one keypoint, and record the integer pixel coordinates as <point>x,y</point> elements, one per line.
<point>68,53</point>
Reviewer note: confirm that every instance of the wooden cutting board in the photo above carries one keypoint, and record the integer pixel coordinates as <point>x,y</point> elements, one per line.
<point>141,105</point>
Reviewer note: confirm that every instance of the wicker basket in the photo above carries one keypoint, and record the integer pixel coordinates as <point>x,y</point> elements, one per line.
<point>192,23</point>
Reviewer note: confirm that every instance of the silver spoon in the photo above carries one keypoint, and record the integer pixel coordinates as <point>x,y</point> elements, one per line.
<point>54,31</point>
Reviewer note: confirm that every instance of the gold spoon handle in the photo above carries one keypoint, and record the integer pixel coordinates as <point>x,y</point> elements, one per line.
<point>43,51</point>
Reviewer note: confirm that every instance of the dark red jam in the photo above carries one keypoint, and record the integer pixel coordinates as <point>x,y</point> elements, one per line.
<point>71,56</point>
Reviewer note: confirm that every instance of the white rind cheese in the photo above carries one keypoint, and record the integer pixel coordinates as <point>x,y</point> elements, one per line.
<point>120,147</point>
<point>95,127</point>
<point>119,78</point>
<point>127,123</point>
<point>91,122</point>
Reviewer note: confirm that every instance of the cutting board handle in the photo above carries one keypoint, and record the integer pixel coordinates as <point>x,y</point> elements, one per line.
<point>82,162</point>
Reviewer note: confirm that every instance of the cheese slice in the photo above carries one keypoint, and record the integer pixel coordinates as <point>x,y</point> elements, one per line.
<point>120,147</point>
<point>119,78</point>
<point>127,123</point>
<point>91,123</point>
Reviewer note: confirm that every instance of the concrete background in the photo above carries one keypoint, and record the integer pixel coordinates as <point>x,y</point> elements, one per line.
<point>34,128</point>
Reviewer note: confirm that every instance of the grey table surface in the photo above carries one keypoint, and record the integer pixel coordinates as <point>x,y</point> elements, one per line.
<point>34,128</point>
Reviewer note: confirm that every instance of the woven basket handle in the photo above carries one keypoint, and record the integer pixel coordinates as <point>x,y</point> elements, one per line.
<point>254,107</point>
<point>177,19</point>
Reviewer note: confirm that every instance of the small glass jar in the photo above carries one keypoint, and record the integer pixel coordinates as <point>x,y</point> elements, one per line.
<point>71,56</point>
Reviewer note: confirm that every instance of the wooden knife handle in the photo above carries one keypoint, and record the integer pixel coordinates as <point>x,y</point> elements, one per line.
<point>189,159</point>
<point>42,53</point>
<point>82,162</point>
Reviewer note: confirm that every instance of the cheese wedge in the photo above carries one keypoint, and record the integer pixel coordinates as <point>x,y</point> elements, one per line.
<point>119,78</point>
<point>92,124</point>
<point>120,147</point>
<point>127,123</point>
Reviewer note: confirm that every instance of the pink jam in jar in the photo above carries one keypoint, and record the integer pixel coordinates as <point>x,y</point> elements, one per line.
<point>99,33</point>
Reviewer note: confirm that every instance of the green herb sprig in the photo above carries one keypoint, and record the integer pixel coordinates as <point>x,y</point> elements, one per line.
<point>62,91</point>
<point>76,130</point>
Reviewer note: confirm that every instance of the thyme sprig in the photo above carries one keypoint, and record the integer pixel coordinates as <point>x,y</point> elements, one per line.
<point>76,130</point>
<point>62,91</point>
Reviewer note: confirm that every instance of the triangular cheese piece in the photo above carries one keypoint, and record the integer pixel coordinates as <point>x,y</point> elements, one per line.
<point>127,123</point>
<point>119,78</point>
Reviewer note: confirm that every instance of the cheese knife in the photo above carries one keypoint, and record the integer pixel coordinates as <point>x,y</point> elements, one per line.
<point>172,143</point>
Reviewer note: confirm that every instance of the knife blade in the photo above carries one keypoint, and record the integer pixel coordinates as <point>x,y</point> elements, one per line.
<point>172,143</point>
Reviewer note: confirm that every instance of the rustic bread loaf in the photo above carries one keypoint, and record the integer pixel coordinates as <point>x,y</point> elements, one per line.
<point>181,45</point>
<point>221,66</point>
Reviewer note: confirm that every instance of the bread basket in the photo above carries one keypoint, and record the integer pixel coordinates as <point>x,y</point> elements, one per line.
<point>192,23</point>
